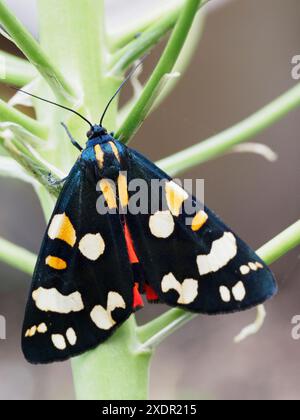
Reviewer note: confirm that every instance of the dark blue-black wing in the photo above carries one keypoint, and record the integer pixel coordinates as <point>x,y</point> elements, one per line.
<point>192,259</point>
<point>82,287</point>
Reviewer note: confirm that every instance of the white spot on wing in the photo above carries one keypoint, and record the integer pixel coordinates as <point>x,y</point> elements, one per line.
<point>92,246</point>
<point>51,300</point>
<point>253,266</point>
<point>188,290</point>
<point>239,291</point>
<point>162,224</point>
<point>244,269</point>
<point>42,328</point>
<point>71,336</point>
<point>59,341</point>
<point>102,317</point>
<point>222,252</point>
<point>225,294</point>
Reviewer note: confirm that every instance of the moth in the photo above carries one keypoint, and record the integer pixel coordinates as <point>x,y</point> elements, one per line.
<point>95,270</point>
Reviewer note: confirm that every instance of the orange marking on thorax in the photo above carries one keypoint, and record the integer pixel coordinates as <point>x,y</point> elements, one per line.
<point>99,155</point>
<point>108,189</point>
<point>115,150</point>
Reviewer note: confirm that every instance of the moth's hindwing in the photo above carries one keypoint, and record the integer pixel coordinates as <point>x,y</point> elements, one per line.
<point>83,283</point>
<point>193,260</point>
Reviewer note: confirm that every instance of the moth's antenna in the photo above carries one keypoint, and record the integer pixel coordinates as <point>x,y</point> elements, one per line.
<point>122,85</point>
<point>54,103</point>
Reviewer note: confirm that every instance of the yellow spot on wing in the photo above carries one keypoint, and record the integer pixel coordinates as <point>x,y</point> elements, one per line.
<point>56,263</point>
<point>108,189</point>
<point>123,191</point>
<point>115,150</point>
<point>175,197</point>
<point>199,220</point>
<point>62,228</point>
<point>99,155</point>
<point>32,331</point>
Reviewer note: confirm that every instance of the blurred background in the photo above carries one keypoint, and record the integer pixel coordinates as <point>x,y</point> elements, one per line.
<point>242,63</point>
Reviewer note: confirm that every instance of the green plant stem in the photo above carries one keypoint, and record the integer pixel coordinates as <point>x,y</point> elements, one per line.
<point>34,165</point>
<point>10,114</point>
<point>17,257</point>
<point>165,66</point>
<point>170,14</point>
<point>283,243</point>
<point>125,57</point>
<point>153,333</point>
<point>32,50</point>
<point>82,59</point>
<point>16,71</point>
<point>183,61</point>
<point>116,370</point>
<point>243,131</point>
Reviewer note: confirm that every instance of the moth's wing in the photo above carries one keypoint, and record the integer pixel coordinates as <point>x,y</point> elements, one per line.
<point>207,268</point>
<point>82,285</point>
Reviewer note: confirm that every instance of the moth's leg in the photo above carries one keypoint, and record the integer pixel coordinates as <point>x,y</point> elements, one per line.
<point>56,182</point>
<point>73,141</point>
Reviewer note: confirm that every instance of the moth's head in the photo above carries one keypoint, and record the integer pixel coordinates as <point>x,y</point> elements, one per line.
<point>96,131</point>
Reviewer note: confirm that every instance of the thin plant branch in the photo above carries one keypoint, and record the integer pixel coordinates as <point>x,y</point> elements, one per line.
<point>119,41</point>
<point>15,70</point>
<point>147,40</point>
<point>225,141</point>
<point>12,115</point>
<point>33,51</point>
<point>253,328</point>
<point>165,66</point>
<point>17,257</point>
<point>257,148</point>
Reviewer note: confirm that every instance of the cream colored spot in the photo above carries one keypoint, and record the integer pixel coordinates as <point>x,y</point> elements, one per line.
<point>188,290</point>
<point>92,246</point>
<point>59,341</point>
<point>162,224</point>
<point>175,197</point>
<point>99,155</point>
<point>223,250</point>
<point>123,191</point>
<point>62,228</point>
<point>71,336</point>
<point>56,263</point>
<point>244,269</point>
<point>27,333</point>
<point>253,266</point>
<point>259,265</point>
<point>32,331</point>
<point>42,328</point>
<point>239,292</point>
<point>51,300</point>
<point>102,317</point>
<point>115,150</point>
<point>199,220</point>
<point>108,189</point>
<point>225,294</point>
